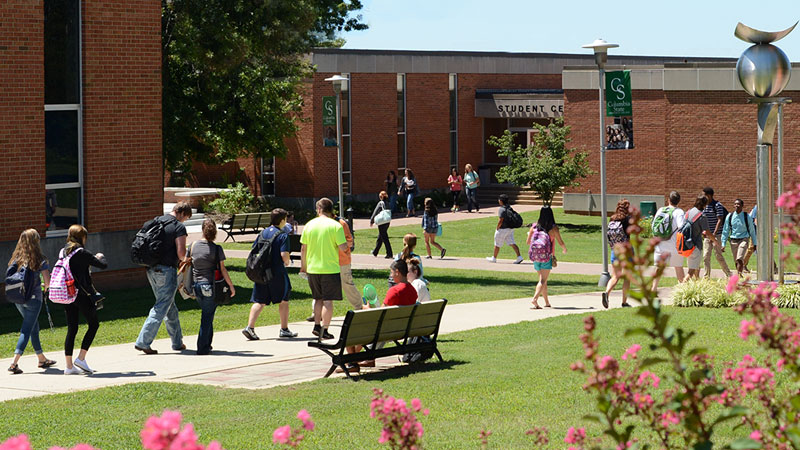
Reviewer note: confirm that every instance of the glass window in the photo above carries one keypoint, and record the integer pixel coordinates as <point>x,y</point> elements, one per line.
<point>346,153</point>
<point>401,151</point>
<point>63,208</point>
<point>61,52</point>
<point>453,87</point>
<point>268,176</point>
<point>61,146</point>
<point>401,102</point>
<point>345,111</point>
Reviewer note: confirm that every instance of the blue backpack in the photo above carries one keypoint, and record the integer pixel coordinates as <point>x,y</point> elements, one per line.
<point>19,284</point>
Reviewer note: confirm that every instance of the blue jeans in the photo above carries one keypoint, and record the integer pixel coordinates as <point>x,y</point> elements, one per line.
<point>472,199</point>
<point>205,297</point>
<point>164,281</point>
<point>30,323</point>
<point>410,202</point>
<point>392,202</point>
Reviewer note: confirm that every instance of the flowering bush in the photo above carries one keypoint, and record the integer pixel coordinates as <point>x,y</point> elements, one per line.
<point>401,429</point>
<point>683,402</point>
<point>291,437</point>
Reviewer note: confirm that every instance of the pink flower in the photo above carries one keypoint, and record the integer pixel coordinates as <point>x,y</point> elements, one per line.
<point>779,365</point>
<point>304,416</point>
<point>575,436</point>
<point>605,361</point>
<point>186,440</point>
<point>733,283</point>
<point>647,374</point>
<point>16,443</point>
<point>631,351</point>
<point>669,418</point>
<point>746,328</point>
<point>756,435</point>
<point>214,445</point>
<point>281,434</point>
<point>416,404</point>
<point>158,432</point>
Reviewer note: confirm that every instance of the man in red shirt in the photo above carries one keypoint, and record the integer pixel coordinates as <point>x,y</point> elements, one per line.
<point>402,293</point>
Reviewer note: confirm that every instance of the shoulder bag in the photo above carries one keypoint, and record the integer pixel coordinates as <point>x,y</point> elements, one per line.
<point>222,292</point>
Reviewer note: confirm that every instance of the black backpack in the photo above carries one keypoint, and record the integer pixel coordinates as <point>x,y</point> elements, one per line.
<point>514,219</point>
<point>148,246</point>
<point>259,261</point>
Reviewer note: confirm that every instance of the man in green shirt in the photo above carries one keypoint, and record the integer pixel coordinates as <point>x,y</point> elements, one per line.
<point>319,258</point>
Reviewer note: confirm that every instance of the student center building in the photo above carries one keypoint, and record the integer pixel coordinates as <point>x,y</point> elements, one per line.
<point>80,117</point>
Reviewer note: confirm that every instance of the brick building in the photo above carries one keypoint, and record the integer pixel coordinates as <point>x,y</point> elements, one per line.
<point>433,110</point>
<point>81,123</point>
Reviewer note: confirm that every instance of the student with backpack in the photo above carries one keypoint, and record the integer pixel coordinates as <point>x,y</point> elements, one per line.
<point>618,234</point>
<point>739,230</point>
<point>277,290</point>
<point>75,261</point>
<point>696,226</point>
<point>507,221</point>
<point>715,214</point>
<point>28,261</point>
<point>666,223</point>
<point>168,233</point>
<point>541,251</point>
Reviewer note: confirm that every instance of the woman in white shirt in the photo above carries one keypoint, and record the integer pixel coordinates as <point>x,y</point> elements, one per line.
<point>423,295</point>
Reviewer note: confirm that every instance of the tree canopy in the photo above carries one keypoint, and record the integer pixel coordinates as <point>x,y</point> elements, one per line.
<point>232,72</point>
<point>547,166</point>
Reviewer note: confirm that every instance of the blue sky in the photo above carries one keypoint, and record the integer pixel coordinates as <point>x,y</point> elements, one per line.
<point>643,27</point>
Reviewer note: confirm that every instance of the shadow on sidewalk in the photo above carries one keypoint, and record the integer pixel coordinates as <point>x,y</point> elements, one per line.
<point>215,352</point>
<point>139,374</point>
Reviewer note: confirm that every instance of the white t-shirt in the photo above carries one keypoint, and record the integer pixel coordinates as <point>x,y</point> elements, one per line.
<point>669,245</point>
<point>423,295</point>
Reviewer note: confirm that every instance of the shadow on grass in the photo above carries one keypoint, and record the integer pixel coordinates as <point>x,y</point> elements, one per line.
<point>580,228</point>
<point>410,369</point>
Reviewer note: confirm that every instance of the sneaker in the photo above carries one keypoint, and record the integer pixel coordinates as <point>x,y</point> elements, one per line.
<point>286,333</point>
<point>429,257</point>
<point>626,305</point>
<point>81,364</point>
<point>250,334</point>
<point>605,300</point>
<point>147,351</point>
<point>316,330</point>
<point>491,259</point>
<point>72,371</point>
<point>326,336</point>
<point>310,318</point>
<point>518,260</point>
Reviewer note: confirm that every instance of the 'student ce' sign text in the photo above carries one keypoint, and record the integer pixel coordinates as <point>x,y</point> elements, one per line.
<point>519,107</point>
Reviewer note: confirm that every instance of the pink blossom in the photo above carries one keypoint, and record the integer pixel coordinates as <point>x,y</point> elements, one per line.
<point>733,283</point>
<point>631,351</point>
<point>575,436</point>
<point>605,361</point>
<point>214,445</point>
<point>746,328</point>
<point>186,439</point>
<point>647,374</point>
<point>669,418</point>
<point>16,443</point>
<point>756,435</point>
<point>779,365</point>
<point>158,432</point>
<point>305,417</point>
<point>281,434</point>
<point>643,401</point>
<point>416,404</point>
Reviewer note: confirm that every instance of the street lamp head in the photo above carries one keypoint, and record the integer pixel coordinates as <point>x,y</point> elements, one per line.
<point>338,82</point>
<point>600,47</point>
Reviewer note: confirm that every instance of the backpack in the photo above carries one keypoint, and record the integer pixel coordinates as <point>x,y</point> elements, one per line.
<point>616,233</point>
<point>541,248</point>
<point>19,284</point>
<point>514,219</point>
<point>662,223</point>
<point>62,284</point>
<point>417,357</point>
<point>259,261</point>
<point>725,211</point>
<point>148,246</point>
<point>685,242</point>
<point>747,221</point>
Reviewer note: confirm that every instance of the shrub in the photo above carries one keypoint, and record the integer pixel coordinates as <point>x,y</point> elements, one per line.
<point>789,296</point>
<point>705,292</point>
<point>647,228</point>
<point>236,199</point>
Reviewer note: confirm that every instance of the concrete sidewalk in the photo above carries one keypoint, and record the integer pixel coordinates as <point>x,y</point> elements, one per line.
<point>236,362</point>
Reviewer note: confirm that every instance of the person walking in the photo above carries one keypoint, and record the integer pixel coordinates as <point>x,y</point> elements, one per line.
<point>345,261</point>
<point>715,214</point>
<point>321,241</point>
<point>547,224</point>
<point>471,182</point>
<point>618,234</point>
<point>430,227</point>
<point>206,258</point>
<point>28,254</point>
<point>85,303</point>
<point>700,233</point>
<point>383,228</point>
<point>391,188</point>
<point>666,250</point>
<point>455,182</point>
<point>163,280</point>
<point>739,230</point>
<point>409,188</point>
<point>277,291</point>
<point>503,234</point>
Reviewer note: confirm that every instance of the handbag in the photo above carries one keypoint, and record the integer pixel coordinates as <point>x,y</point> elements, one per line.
<point>554,261</point>
<point>383,217</point>
<point>222,292</point>
<point>186,277</point>
<point>439,230</point>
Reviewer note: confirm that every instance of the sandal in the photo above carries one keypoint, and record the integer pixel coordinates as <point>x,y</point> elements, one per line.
<point>14,368</point>
<point>46,363</point>
<point>535,305</point>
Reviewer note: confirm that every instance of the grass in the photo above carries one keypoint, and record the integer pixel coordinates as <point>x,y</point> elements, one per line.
<point>504,379</point>
<point>125,310</point>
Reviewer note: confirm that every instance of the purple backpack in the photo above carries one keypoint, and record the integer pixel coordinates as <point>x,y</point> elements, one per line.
<point>541,246</point>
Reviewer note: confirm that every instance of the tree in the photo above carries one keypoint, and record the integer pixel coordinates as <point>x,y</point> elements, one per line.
<point>232,73</point>
<point>547,166</point>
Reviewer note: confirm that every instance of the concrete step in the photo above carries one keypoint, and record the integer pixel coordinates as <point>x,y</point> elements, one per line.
<point>517,196</point>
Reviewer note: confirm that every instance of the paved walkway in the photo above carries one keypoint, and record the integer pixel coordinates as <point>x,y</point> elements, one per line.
<point>236,362</point>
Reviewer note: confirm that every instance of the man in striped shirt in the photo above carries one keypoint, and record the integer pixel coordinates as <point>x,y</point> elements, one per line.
<point>715,214</point>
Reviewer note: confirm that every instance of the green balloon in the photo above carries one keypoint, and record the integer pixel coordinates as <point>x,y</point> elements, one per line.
<point>370,294</point>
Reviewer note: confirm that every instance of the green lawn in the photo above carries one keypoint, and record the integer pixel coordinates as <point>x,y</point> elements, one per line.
<point>504,379</point>
<point>125,310</point>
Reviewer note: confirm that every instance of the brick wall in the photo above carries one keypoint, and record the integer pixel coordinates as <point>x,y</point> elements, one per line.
<point>22,117</point>
<point>295,173</point>
<point>122,113</point>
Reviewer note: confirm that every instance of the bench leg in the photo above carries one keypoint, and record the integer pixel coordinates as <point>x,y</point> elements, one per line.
<point>330,371</point>
<point>438,355</point>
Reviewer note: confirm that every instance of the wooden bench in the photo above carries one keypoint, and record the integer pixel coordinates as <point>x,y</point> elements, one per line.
<point>397,324</point>
<point>295,247</point>
<point>246,223</point>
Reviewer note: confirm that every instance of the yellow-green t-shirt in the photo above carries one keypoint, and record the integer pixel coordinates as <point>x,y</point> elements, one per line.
<point>322,237</point>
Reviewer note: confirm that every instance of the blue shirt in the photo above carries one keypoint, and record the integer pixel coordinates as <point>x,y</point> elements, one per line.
<point>738,226</point>
<point>430,223</point>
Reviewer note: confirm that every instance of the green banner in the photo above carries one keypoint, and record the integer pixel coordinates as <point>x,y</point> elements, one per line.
<point>618,93</point>
<point>329,121</point>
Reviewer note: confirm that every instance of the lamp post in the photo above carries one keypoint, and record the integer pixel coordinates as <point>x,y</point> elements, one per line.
<point>339,81</point>
<point>600,48</point>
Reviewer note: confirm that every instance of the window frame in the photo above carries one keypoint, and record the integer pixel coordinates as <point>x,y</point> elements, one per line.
<point>348,171</point>
<point>404,133</point>
<point>453,79</point>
